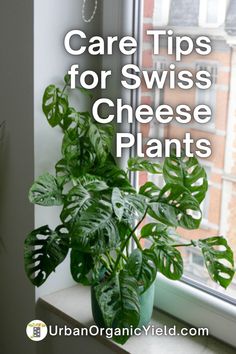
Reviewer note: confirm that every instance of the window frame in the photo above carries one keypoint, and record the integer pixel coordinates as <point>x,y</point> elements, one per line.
<point>203,10</point>
<point>211,92</point>
<point>183,299</point>
<point>164,13</point>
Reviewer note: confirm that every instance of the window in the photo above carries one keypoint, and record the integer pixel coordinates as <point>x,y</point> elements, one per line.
<point>161,12</point>
<point>212,13</point>
<point>218,64</point>
<point>197,259</point>
<point>208,97</point>
<point>160,65</point>
<point>192,299</point>
<point>206,201</point>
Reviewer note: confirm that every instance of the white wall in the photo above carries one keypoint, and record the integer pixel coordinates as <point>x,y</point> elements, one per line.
<point>52,20</point>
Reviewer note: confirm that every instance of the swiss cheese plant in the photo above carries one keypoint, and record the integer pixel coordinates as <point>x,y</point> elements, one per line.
<point>102,215</point>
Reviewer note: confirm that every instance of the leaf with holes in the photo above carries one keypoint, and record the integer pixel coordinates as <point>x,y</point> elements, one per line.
<point>142,266</point>
<point>168,260</point>
<point>96,229</point>
<point>78,153</point>
<point>55,105</point>
<point>128,206</point>
<point>175,206</point>
<point>80,197</point>
<point>139,164</point>
<point>81,266</point>
<point>118,203</point>
<point>62,172</point>
<point>46,191</point>
<point>158,232</point>
<point>149,269</point>
<point>188,172</point>
<point>75,123</point>
<point>135,207</point>
<point>44,250</point>
<point>134,263</point>
<point>219,259</point>
<point>114,176</point>
<point>118,299</point>
<point>101,139</point>
<point>150,190</point>
<point>77,200</point>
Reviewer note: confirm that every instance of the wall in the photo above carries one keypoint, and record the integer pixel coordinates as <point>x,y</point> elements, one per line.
<point>52,20</point>
<point>16,214</point>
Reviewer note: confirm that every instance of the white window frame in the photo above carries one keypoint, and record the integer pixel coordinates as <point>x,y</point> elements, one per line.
<point>162,18</point>
<point>211,93</point>
<point>205,204</point>
<point>221,13</point>
<point>180,299</point>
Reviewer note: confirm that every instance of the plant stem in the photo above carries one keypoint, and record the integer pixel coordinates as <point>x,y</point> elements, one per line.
<point>64,88</point>
<point>106,265</point>
<point>110,259</point>
<point>74,182</point>
<point>137,242</point>
<point>132,233</point>
<point>192,243</point>
<point>121,254</point>
<point>127,250</point>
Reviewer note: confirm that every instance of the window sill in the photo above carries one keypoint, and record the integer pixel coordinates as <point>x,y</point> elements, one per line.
<point>73,306</point>
<point>197,307</point>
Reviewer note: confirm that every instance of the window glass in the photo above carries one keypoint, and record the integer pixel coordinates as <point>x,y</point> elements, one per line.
<point>212,11</point>
<point>219,208</point>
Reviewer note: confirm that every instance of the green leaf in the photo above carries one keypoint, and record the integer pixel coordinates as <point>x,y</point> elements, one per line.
<point>92,183</point>
<point>118,299</point>
<point>81,266</point>
<point>188,172</point>
<point>44,250</point>
<point>160,257</point>
<point>135,207</point>
<point>168,260</point>
<point>175,206</point>
<point>96,229</point>
<point>79,155</point>
<point>101,139</point>
<point>128,206</point>
<point>118,203</point>
<point>80,197</point>
<point>142,266</point>
<point>55,105</point>
<point>157,232</point>
<point>125,229</point>
<point>219,259</point>
<point>148,271</point>
<point>62,172</point>
<point>75,123</point>
<point>46,191</point>
<point>138,164</point>
<point>113,175</point>
<point>134,263</point>
<point>153,229</point>
<point>67,79</point>
<point>149,190</point>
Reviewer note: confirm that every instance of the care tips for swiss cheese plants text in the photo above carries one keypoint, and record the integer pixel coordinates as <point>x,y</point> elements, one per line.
<point>101,213</point>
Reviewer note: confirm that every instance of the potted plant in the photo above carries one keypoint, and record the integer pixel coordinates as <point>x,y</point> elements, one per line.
<point>102,217</point>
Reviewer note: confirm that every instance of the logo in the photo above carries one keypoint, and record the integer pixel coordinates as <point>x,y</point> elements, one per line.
<point>36,330</point>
